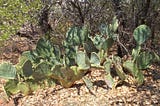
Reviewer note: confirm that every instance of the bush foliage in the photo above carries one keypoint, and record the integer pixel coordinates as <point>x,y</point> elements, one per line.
<point>16,13</point>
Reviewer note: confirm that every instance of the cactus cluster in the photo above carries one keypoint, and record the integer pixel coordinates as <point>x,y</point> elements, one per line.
<point>70,60</point>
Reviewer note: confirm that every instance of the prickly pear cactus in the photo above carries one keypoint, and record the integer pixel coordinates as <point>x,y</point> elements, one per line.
<point>133,69</point>
<point>24,67</point>
<point>7,71</point>
<point>76,36</point>
<point>67,75</point>
<point>82,60</point>
<point>141,34</point>
<point>145,59</point>
<point>109,79</point>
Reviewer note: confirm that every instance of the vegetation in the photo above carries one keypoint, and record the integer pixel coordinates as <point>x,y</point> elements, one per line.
<point>16,13</point>
<point>84,46</point>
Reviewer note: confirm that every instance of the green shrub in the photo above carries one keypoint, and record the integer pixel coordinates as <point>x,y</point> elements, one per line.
<point>14,13</point>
